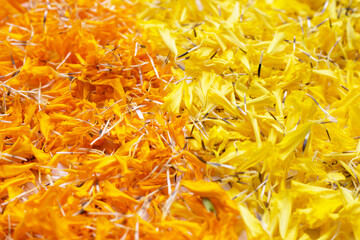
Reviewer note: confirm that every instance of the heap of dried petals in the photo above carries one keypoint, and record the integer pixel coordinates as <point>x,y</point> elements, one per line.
<point>86,149</point>
<point>187,119</point>
<point>272,89</point>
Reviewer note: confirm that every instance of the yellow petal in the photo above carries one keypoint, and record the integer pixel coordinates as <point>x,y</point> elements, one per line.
<point>168,40</point>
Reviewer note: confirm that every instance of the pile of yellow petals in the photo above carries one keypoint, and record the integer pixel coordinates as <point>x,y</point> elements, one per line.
<point>272,89</point>
<point>87,152</point>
